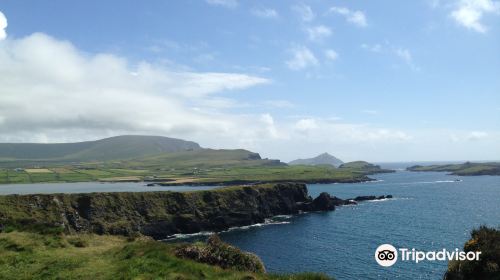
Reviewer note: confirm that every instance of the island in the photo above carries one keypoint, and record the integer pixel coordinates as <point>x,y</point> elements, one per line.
<point>464,169</point>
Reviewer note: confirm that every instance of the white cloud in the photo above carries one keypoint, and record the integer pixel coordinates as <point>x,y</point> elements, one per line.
<point>265,13</point>
<point>3,26</point>
<point>279,104</point>
<point>51,90</point>
<point>406,56</point>
<point>317,129</point>
<point>372,48</point>
<point>464,136</point>
<point>268,122</point>
<point>304,125</point>
<point>223,3</point>
<point>331,54</point>
<point>469,13</point>
<point>355,17</point>
<point>304,11</point>
<point>204,58</point>
<point>317,33</point>
<point>476,135</point>
<point>301,58</point>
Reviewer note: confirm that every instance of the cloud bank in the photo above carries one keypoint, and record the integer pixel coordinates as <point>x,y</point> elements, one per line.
<point>54,92</point>
<point>51,90</point>
<point>3,26</point>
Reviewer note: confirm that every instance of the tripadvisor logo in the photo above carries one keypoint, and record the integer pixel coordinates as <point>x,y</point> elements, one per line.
<point>387,255</point>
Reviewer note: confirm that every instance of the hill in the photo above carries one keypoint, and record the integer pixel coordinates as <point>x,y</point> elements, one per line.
<point>324,158</point>
<point>364,167</point>
<point>114,148</point>
<point>464,169</point>
<point>200,158</point>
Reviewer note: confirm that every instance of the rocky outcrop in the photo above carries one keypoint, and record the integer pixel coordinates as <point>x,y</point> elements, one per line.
<point>162,214</point>
<point>371,197</point>
<point>216,252</point>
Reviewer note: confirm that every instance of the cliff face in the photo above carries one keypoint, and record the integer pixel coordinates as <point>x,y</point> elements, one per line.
<point>156,214</point>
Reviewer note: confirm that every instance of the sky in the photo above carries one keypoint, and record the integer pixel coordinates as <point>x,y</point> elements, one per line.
<point>363,80</point>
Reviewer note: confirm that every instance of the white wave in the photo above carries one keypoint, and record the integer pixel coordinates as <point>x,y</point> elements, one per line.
<point>188,235</point>
<point>282,217</point>
<point>387,199</point>
<point>380,200</point>
<point>448,181</point>
<point>429,182</point>
<point>267,222</point>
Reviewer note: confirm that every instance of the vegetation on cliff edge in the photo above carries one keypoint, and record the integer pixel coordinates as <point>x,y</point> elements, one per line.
<point>30,255</point>
<point>487,241</point>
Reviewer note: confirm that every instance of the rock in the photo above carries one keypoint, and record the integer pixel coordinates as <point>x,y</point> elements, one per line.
<point>324,202</point>
<point>366,197</point>
<point>371,197</point>
<point>216,252</point>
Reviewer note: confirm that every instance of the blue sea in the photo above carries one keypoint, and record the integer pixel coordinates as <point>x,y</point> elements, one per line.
<point>429,212</point>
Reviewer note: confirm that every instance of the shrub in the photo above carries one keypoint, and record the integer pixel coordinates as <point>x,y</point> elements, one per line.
<point>487,241</point>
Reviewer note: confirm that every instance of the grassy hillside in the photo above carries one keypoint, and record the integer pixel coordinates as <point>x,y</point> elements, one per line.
<point>162,160</point>
<point>202,158</point>
<point>363,167</point>
<point>28,255</point>
<point>119,147</point>
<point>464,169</point>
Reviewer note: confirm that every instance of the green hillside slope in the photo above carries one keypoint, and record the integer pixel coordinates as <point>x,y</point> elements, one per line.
<point>119,147</point>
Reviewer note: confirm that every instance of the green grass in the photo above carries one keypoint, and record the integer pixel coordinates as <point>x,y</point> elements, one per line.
<point>15,177</point>
<point>199,166</point>
<point>197,174</point>
<point>464,169</point>
<point>25,255</point>
<point>4,176</point>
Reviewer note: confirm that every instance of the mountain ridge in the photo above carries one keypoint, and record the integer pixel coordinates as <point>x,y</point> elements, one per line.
<point>112,148</point>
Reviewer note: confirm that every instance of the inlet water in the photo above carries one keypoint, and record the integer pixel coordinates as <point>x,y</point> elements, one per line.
<point>90,187</point>
<point>429,212</point>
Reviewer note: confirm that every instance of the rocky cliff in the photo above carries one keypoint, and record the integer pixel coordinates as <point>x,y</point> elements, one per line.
<point>161,214</point>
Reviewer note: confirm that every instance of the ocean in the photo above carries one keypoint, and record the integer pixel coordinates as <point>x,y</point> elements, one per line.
<point>429,212</point>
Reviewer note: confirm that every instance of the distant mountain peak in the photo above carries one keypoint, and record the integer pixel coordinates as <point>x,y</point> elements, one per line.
<point>324,158</point>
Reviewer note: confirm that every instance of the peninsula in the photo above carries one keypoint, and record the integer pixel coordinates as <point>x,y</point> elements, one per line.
<point>463,169</point>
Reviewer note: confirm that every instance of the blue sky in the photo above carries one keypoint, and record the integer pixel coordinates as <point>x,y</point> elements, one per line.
<point>382,81</point>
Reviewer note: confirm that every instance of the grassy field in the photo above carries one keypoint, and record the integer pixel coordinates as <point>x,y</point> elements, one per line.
<point>27,255</point>
<point>195,166</point>
<point>191,174</point>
